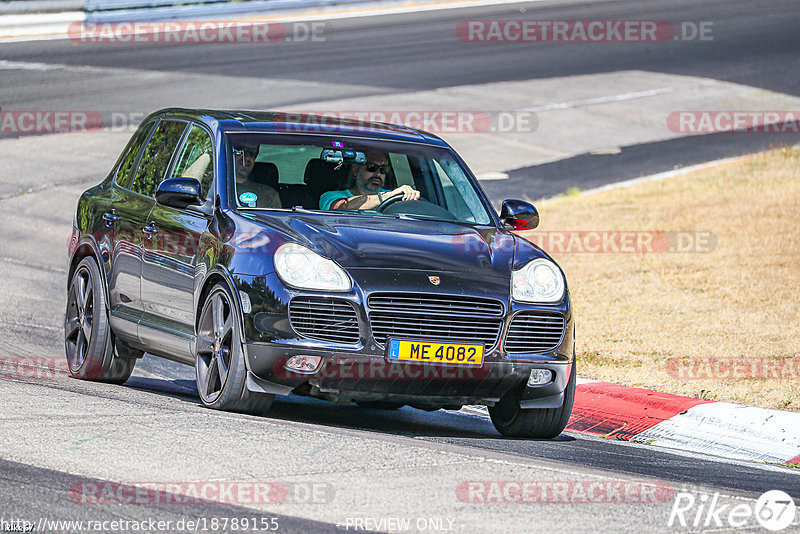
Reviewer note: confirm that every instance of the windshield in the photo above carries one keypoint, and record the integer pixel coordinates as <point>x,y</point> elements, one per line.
<point>368,177</point>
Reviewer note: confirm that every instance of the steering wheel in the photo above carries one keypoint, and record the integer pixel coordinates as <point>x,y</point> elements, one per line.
<point>388,202</point>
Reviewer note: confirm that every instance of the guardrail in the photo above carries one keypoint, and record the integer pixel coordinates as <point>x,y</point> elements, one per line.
<point>22,19</point>
<point>39,6</point>
<point>144,10</point>
<point>104,5</point>
<point>149,10</point>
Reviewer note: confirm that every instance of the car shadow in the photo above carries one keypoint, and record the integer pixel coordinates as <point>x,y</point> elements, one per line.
<point>405,421</point>
<point>179,388</point>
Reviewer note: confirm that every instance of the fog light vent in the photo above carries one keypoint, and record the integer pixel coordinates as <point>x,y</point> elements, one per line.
<point>303,364</point>
<point>540,377</point>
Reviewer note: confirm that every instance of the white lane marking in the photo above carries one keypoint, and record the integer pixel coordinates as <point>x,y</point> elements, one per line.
<point>668,174</point>
<point>20,65</point>
<point>617,98</point>
<point>475,409</point>
<point>731,431</point>
<point>492,176</point>
<point>608,151</point>
<point>32,65</point>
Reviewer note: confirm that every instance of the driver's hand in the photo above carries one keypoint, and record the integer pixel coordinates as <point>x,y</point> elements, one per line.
<point>408,192</point>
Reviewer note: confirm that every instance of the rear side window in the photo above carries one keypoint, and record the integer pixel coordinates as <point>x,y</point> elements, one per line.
<point>125,170</point>
<point>156,157</point>
<point>197,158</point>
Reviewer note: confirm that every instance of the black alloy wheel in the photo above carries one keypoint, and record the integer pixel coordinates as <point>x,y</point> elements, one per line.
<point>221,372</point>
<point>88,339</point>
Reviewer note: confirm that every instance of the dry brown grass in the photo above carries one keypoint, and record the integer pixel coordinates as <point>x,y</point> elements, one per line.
<point>637,311</point>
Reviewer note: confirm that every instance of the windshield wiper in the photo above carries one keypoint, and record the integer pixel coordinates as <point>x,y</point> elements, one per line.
<point>418,217</point>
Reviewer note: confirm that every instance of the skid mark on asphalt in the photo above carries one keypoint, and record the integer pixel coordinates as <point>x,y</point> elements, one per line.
<point>87,180</point>
<point>36,266</point>
<point>30,325</point>
<point>21,340</point>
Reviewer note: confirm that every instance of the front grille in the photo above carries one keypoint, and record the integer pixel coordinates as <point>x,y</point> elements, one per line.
<point>534,331</point>
<point>446,318</point>
<point>324,318</point>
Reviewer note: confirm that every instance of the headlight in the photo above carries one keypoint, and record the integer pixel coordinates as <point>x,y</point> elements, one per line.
<point>300,267</point>
<point>539,281</point>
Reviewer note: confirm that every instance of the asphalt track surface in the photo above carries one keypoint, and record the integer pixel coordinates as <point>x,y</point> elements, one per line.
<point>756,44</point>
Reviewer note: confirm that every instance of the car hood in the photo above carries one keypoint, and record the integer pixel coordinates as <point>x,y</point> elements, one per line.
<point>372,242</point>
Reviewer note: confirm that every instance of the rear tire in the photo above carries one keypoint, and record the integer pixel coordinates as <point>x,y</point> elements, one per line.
<point>540,423</point>
<point>220,369</point>
<point>88,339</point>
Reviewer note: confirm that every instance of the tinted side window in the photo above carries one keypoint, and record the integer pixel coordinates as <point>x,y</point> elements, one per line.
<point>197,158</point>
<point>156,157</point>
<point>126,168</point>
<point>461,198</point>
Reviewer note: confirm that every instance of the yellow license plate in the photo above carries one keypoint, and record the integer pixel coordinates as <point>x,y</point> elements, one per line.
<point>427,352</point>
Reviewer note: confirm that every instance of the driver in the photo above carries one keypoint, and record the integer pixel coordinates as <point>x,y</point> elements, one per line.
<point>366,191</point>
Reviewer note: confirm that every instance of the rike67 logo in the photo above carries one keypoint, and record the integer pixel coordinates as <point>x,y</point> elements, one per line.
<point>774,510</point>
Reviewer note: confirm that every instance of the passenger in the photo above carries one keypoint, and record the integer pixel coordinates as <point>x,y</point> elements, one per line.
<point>249,192</point>
<point>366,186</point>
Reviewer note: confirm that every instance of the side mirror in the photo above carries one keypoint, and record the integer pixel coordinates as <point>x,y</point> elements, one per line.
<point>179,192</point>
<point>519,214</point>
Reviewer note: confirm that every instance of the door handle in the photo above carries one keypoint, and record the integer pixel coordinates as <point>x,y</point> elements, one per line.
<point>110,217</point>
<point>149,230</point>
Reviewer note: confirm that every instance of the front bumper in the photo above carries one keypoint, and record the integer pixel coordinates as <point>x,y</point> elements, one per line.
<point>361,370</point>
<point>354,377</point>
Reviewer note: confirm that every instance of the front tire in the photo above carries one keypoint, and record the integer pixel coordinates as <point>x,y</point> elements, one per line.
<point>220,368</point>
<point>539,423</point>
<point>88,339</point>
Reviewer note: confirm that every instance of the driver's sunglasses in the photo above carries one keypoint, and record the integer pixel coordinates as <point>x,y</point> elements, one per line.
<point>249,151</point>
<point>372,167</point>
